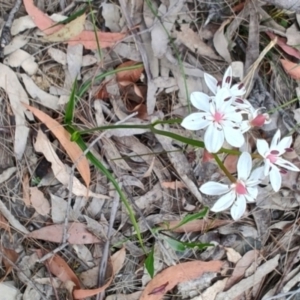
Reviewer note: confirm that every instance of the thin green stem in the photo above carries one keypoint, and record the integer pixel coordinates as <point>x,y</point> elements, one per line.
<point>223,168</point>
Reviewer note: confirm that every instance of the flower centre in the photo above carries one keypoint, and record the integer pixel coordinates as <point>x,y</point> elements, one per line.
<point>272,157</point>
<point>240,188</point>
<point>218,117</point>
<point>259,120</point>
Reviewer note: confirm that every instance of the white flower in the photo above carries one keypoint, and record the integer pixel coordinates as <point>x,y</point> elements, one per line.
<point>255,118</point>
<point>236,91</point>
<point>274,164</point>
<point>237,194</point>
<point>219,116</point>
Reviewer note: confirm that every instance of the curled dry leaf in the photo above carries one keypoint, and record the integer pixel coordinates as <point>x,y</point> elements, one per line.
<point>64,138</point>
<point>174,185</point>
<point>86,38</point>
<point>129,75</point>
<point>170,277</point>
<point>230,163</point>
<point>291,68</point>
<point>77,234</point>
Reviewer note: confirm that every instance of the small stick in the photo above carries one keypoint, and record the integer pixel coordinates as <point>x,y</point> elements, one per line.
<point>50,254</point>
<point>6,35</point>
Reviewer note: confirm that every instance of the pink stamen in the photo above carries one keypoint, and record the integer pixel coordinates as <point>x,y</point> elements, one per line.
<point>239,100</point>
<point>272,158</point>
<point>240,188</point>
<point>289,149</point>
<point>228,78</point>
<point>275,152</point>
<point>282,171</point>
<point>240,86</point>
<point>218,117</point>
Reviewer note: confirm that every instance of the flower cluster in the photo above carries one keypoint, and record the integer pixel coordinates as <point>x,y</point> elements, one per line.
<point>227,116</point>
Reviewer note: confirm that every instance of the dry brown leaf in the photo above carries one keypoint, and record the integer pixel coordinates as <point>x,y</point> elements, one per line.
<point>117,261</point>
<point>171,276</point>
<point>39,202</point>
<point>26,193</point>
<point>12,255</point>
<point>221,42</point>
<point>61,171</point>
<point>129,75</point>
<point>195,225</point>
<point>60,268</point>
<point>77,234</point>
<point>240,268</point>
<point>291,68</point>
<point>174,185</point>
<point>68,31</point>
<point>192,40</point>
<point>64,138</point>
<point>4,223</point>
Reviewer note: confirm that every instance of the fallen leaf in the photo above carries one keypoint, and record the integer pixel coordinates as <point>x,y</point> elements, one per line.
<point>281,42</point>
<point>293,35</point>
<point>129,75</point>
<point>21,24</point>
<point>39,202</point>
<point>291,68</point>
<point>10,83</point>
<point>68,31</point>
<point>86,38</point>
<point>64,138</point>
<point>59,268</point>
<point>12,255</point>
<point>9,291</point>
<point>36,93</point>
<point>195,225</point>
<point>116,261</point>
<point>174,185</point>
<point>61,171</point>
<point>77,234</point>
<point>25,187</point>
<point>221,42</point>
<point>6,174</point>
<point>240,268</point>
<point>173,275</point>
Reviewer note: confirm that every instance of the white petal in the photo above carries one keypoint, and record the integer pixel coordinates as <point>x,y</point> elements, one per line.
<point>227,78</point>
<point>234,116</point>
<point>275,140</point>
<point>224,202</point>
<point>238,208</point>
<point>267,167</point>
<point>213,139</point>
<point>284,143</point>
<point>244,166</point>
<point>262,147</point>
<point>234,137</point>
<point>200,101</point>
<point>257,174</point>
<point>275,179</point>
<point>286,164</point>
<point>245,126</point>
<point>211,82</point>
<point>237,91</point>
<point>221,95</point>
<point>214,188</point>
<point>253,191</point>
<point>195,121</point>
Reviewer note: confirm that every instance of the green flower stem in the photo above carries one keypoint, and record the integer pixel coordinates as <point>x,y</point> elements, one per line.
<point>223,168</point>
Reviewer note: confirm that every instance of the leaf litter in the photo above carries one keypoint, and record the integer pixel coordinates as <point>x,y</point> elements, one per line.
<point>174,43</point>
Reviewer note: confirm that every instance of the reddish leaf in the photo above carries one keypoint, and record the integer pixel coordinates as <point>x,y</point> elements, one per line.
<point>86,38</point>
<point>291,68</point>
<point>230,163</point>
<point>77,233</point>
<point>281,42</point>
<point>177,274</point>
<point>159,290</point>
<point>60,268</point>
<point>130,75</point>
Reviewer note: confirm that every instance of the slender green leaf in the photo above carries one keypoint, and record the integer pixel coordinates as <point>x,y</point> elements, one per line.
<point>182,246</point>
<point>69,114</point>
<point>149,263</point>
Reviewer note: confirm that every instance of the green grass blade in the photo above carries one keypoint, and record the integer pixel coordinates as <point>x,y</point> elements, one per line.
<point>149,263</point>
<point>69,114</point>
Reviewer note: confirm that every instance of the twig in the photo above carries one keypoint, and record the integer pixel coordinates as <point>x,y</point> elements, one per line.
<point>50,254</point>
<point>5,35</point>
<point>103,264</point>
